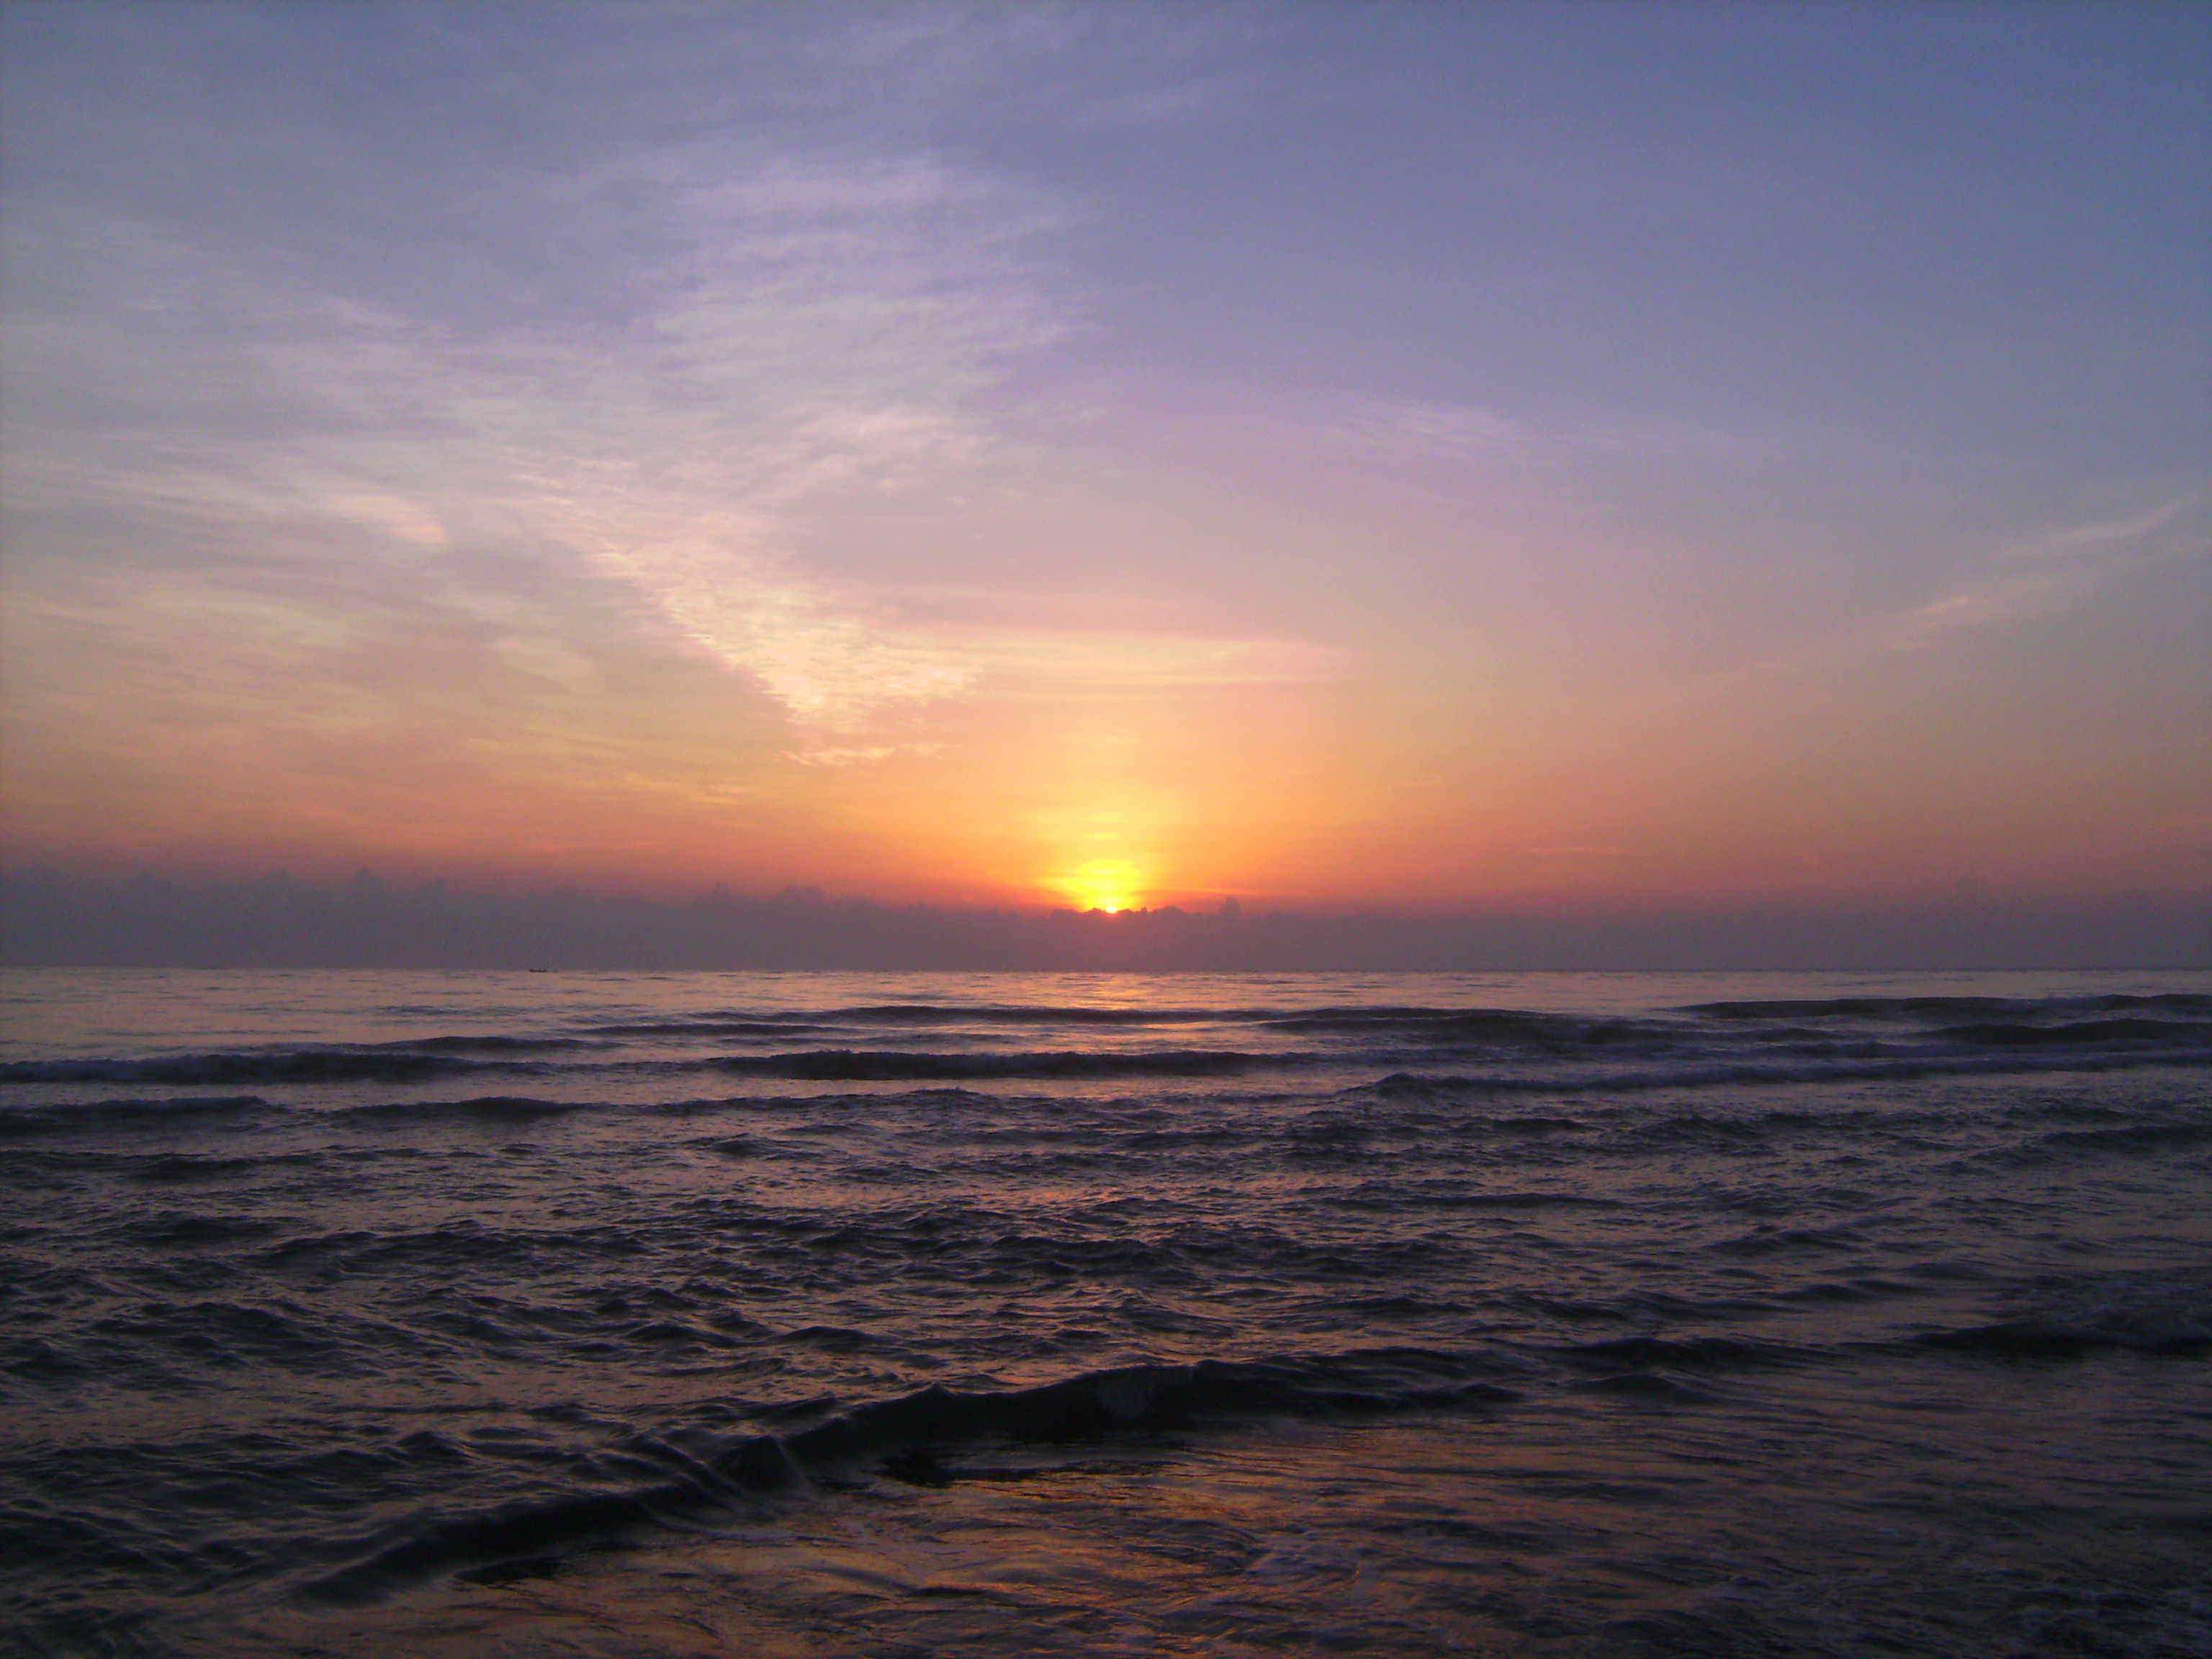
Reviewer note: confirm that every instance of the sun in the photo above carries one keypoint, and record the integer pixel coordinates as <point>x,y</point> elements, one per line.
<point>1107,884</point>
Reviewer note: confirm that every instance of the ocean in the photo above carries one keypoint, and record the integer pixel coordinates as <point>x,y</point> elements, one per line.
<point>1577,1315</point>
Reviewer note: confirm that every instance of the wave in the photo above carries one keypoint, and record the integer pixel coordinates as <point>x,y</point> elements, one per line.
<point>1366,1017</point>
<point>194,1230</point>
<point>853,1065</point>
<point>1855,1007</point>
<point>275,1065</point>
<point>2035,1339</point>
<point>2008,1035</point>
<point>491,1043</point>
<point>924,1013</point>
<point>1549,1031</point>
<point>499,1108</point>
<point>2062,1339</point>
<point>1940,1007</point>
<point>916,1438</point>
<point>2164,1312</point>
<point>771,1026</point>
<point>906,1438</point>
<point>1637,1354</point>
<point>171,1168</point>
<point>927,1013</point>
<point>2139,1138</point>
<point>1507,1023</point>
<point>1817,1071</point>
<point>51,1120</point>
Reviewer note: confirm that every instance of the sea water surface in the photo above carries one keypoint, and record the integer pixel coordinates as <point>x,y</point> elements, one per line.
<point>837,1314</point>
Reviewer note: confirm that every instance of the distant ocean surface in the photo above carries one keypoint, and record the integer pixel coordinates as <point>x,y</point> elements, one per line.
<point>1637,1314</point>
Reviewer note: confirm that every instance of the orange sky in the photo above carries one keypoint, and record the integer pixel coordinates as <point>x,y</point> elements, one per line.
<point>1087,466</point>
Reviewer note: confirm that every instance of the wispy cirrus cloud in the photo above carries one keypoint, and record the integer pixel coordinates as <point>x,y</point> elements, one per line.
<point>722,353</point>
<point>2047,573</point>
<point>1049,659</point>
<point>808,334</point>
<point>1428,432</point>
<point>812,338</point>
<point>2033,576</point>
<point>823,341</point>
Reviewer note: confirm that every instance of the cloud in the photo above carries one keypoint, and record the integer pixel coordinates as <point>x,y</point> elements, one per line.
<point>858,756</point>
<point>396,516</point>
<point>2042,574</point>
<point>806,336</point>
<point>2038,576</point>
<point>1428,433</point>
<point>822,340</point>
<point>1070,659</point>
<point>815,338</point>
<point>828,667</point>
<point>727,350</point>
<point>1442,431</point>
<point>1133,62</point>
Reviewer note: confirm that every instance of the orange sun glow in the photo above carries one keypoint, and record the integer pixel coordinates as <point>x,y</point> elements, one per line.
<point>1107,884</point>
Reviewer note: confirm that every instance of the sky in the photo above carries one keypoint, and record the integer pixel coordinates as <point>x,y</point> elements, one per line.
<point>1431,458</point>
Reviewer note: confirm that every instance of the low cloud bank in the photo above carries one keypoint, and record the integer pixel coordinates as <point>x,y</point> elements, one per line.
<point>51,919</point>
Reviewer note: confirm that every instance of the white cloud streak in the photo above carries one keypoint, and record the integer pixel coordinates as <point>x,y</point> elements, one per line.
<point>1404,430</point>
<point>809,340</point>
<point>820,341</point>
<point>2038,576</point>
<point>812,335</point>
<point>2043,575</point>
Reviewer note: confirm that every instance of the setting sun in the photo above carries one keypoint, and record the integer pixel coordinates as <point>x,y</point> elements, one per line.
<point>1107,884</point>
<point>1018,744</point>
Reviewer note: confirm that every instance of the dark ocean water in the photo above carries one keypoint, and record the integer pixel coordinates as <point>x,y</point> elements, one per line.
<point>820,1314</point>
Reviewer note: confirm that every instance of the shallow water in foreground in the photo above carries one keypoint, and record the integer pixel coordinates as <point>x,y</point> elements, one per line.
<point>1554,1314</point>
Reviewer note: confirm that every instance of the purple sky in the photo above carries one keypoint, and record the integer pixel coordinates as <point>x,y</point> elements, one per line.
<point>1425,457</point>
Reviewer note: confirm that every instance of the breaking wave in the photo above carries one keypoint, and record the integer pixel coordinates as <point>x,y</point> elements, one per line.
<point>908,1438</point>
